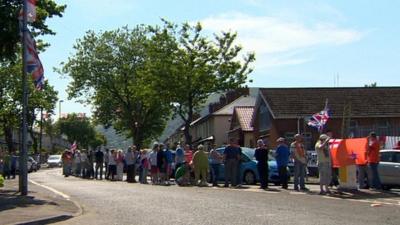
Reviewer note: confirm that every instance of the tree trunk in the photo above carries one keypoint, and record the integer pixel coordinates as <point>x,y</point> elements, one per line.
<point>186,132</point>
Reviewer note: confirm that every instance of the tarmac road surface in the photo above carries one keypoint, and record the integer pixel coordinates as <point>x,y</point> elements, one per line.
<point>106,202</point>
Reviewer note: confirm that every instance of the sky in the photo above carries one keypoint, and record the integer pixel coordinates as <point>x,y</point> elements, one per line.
<point>298,43</point>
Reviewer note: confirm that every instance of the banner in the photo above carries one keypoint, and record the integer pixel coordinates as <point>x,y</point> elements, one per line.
<point>345,152</point>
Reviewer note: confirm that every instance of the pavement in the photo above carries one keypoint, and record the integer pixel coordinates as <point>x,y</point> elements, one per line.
<point>40,206</point>
<point>55,199</point>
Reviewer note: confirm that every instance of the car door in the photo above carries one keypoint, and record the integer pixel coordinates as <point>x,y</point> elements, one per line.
<point>396,168</point>
<point>386,167</point>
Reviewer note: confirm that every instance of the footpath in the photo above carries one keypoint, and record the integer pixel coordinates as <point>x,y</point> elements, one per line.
<point>40,206</point>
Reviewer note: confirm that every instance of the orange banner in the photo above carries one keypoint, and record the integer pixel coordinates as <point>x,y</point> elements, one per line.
<point>346,152</point>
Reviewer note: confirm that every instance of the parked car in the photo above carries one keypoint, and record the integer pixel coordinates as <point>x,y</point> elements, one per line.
<point>54,161</point>
<point>32,165</point>
<point>248,168</point>
<point>389,168</point>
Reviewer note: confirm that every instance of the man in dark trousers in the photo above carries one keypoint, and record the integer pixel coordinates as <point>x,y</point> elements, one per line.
<point>231,157</point>
<point>261,155</point>
<point>99,163</point>
<point>282,155</point>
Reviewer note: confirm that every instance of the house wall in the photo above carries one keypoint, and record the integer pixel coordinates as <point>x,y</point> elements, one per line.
<point>221,125</point>
<point>249,140</point>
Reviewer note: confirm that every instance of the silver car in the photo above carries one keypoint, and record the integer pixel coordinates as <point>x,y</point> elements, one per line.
<point>389,168</point>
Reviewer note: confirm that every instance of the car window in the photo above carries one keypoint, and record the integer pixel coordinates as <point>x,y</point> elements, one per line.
<point>386,156</point>
<point>244,158</point>
<point>396,157</point>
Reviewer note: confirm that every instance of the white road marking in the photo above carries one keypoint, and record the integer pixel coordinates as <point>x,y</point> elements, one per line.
<point>51,189</point>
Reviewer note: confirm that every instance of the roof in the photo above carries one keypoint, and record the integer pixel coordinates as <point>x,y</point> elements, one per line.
<point>244,115</point>
<point>286,103</point>
<point>241,101</point>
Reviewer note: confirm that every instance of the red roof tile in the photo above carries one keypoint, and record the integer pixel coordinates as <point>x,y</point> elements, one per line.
<point>244,116</point>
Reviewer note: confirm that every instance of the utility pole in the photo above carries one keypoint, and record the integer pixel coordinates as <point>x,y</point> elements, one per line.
<point>23,163</point>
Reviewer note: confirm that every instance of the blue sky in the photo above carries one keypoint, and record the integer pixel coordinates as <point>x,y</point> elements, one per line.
<point>298,43</point>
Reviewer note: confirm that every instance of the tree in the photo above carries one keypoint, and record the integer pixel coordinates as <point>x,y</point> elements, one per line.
<point>110,70</point>
<point>10,100</point>
<point>371,85</point>
<point>78,129</point>
<point>9,10</point>
<point>196,67</point>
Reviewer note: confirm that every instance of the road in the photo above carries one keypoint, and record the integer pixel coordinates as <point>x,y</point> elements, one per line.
<point>106,202</point>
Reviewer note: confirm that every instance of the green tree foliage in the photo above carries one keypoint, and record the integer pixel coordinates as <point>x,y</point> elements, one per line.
<point>9,27</point>
<point>371,85</point>
<point>79,129</point>
<point>11,105</point>
<point>196,66</point>
<point>110,71</point>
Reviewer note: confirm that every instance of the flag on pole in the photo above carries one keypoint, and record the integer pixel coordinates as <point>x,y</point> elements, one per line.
<point>318,120</point>
<point>31,11</point>
<point>74,146</point>
<point>34,65</point>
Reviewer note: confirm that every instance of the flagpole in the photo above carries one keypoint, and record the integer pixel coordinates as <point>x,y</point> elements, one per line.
<point>23,170</point>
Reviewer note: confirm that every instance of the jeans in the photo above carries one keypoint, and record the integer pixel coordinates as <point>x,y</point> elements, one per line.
<point>299,174</point>
<point>215,173</point>
<point>231,167</point>
<point>373,176</point>
<point>283,176</point>
<point>362,176</point>
<point>263,173</point>
<point>99,166</point>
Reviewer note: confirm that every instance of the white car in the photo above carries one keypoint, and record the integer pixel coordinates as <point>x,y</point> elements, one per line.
<point>54,161</point>
<point>389,168</point>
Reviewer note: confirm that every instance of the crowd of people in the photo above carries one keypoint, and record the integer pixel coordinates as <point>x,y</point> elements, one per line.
<point>8,164</point>
<point>190,167</point>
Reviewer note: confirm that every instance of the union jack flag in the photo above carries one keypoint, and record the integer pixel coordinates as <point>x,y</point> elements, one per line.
<point>31,11</point>
<point>74,146</point>
<point>34,65</point>
<point>318,120</point>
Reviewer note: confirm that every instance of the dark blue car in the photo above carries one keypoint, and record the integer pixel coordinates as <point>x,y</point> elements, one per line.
<point>248,168</point>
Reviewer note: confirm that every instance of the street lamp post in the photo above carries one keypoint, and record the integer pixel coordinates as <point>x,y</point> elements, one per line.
<point>59,109</point>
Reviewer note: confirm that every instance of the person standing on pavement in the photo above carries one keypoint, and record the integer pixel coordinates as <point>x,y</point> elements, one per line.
<point>144,163</point>
<point>153,164</point>
<point>179,156</point>
<point>99,163</point>
<point>112,164</point>
<point>120,158</point>
<point>215,161</point>
<point>373,161</point>
<point>282,155</point>
<point>231,158</point>
<point>84,163</point>
<point>137,155</point>
<point>300,162</point>
<point>162,164</point>
<point>78,164</point>
<point>106,162</point>
<point>200,165</point>
<point>6,165</point>
<point>130,165</point>
<point>169,160</point>
<point>66,162</point>
<point>261,155</point>
<point>14,162</point>
<point>324,163</point>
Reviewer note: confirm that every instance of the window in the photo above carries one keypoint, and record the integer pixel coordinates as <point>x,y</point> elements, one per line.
<point>387,157</point>
<point>396,157</point>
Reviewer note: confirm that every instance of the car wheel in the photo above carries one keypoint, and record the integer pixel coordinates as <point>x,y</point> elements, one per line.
<point>386,187</point>
<point>249,177</point>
